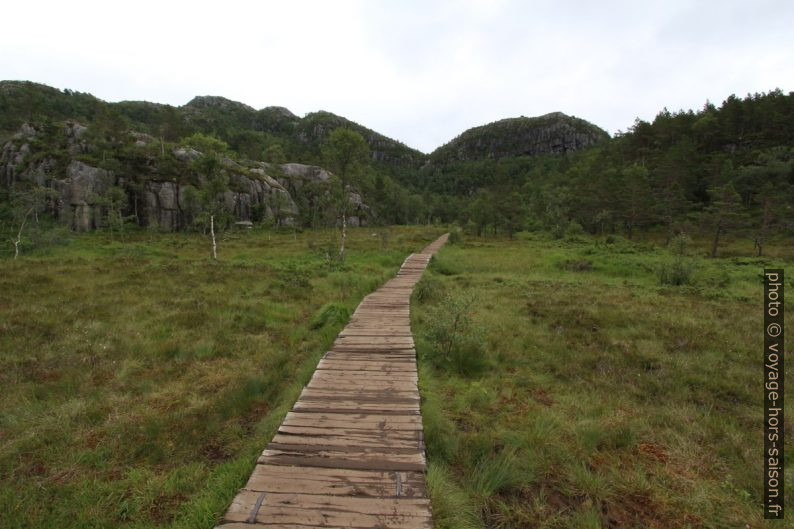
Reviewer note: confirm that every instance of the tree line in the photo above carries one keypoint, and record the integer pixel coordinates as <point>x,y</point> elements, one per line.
<point>721,169</point>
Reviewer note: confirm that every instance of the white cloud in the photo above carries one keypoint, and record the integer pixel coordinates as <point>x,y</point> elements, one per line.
<point>421,72</point>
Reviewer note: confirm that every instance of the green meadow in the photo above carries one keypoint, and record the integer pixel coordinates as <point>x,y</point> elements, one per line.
<point>140,379</point>
<point>565,385</point>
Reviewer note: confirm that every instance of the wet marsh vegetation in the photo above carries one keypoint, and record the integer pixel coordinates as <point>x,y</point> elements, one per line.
<point>590,391</point>
<point>141,379</point>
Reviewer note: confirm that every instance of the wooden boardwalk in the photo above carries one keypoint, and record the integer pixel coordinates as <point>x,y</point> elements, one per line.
<point>351,452</point>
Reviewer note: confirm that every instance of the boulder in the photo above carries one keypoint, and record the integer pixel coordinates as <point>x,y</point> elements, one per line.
<point>186,154</point>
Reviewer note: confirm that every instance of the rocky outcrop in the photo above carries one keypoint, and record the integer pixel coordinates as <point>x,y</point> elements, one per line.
<point>554,133</point>
<point>257,192</point>
<point>75,132</point>
<point>79,193</point>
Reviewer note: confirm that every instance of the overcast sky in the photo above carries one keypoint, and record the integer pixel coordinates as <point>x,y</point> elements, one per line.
<point>418,71</point>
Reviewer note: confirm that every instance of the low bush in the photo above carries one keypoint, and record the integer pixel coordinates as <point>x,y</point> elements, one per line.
<point>678,272</point>
<point>427,289</point>
<point>456,341</point>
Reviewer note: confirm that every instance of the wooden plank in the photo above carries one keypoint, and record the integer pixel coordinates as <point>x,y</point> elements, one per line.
<point>366,365</point>
<point>351,432</point>
<point>338,374</point>
<point>353,440</point>
<point>316,510</point>
<point>361,395</point>
<point>347,406</point>
<point>385,386</point>
<point>315,447</point>
<point>345,459</point>
<point>340,482</point>
<point>354,421</point>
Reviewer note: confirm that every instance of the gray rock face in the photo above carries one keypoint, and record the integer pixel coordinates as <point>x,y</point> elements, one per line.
<point>74,133</point>
<point>218,102</point>
<point>310,172</point>
<point>186,154</point>
<point>161,203</point>
<point>78,195</point>
<point>25,131</point>
<point>142,139</point>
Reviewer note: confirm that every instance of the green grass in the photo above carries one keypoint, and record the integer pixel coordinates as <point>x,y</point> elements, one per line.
<point>140,379</point>
<point>607,400</point>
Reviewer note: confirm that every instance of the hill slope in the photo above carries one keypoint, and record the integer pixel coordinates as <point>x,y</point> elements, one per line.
<point>552,133</point>
<point>245,129</point>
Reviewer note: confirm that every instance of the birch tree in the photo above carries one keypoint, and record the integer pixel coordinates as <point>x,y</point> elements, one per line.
<point>26,205</point>
<point>346,154</point>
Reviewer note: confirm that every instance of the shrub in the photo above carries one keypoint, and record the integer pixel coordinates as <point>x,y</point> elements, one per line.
<point>427,288</point>
<point>455,236</point>
<point>456,342</point>
<point>679,271</point>
<point>574,229</point>
<point>676,274</point>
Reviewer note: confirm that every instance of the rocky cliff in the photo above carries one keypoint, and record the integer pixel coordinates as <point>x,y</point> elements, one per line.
<point>553,133</point>
<point>155,180</point>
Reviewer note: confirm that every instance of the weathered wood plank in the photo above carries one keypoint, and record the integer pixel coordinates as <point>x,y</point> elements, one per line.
<point>339,459</point>
<point>339,482</point>
<point>314,510</point>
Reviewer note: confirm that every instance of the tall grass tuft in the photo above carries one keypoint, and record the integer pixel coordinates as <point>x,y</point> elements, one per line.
<point>452,508</point>
<point>679,271</point>
<point>331,313</point>
<point>492,475</point>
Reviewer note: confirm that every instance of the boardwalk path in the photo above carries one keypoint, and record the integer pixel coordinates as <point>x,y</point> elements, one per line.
<point>351,451</point>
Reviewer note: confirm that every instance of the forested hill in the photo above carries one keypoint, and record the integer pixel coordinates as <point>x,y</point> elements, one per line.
<point>721,169</point>
<point>247,131</point>
<point>553,133</point>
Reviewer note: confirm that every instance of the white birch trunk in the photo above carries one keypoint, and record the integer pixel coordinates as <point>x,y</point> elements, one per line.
<point>212,232</point>
<point>19,235</point>
<point>344,236</point>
